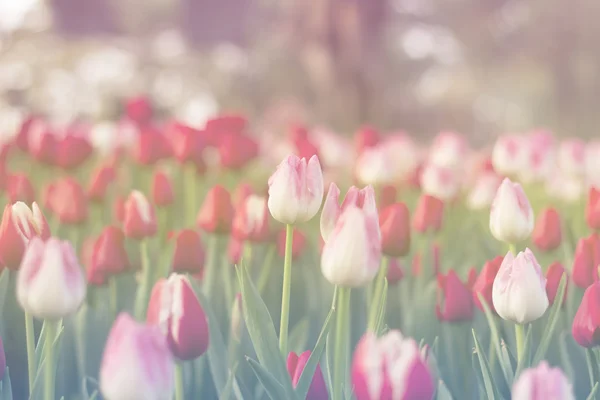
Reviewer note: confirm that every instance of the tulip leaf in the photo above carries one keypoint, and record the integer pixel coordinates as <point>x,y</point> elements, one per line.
<point>565,358</point>
<point>313,361</point>
<point>328,357</point>
<point>442,391</point>
<point>592,395</point>
<point>382,301</point>
<point>94,395</point>
<point>4,281</point>
<point>41,343</point>
<point>273,388</point>
<point>552,321</point>
<point>6,393</point>
<point>38,384</point>
<point>525,362</point>
<point>227,393</point>
<point>262,332</point>
<point>299,335</point>
<point>486,374</point>
<point>217,350</point>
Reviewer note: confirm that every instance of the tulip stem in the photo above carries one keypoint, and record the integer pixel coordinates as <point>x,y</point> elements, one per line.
<point>341,342</point>
<point>520,339</point>
<point>190,188</point>
<point>179,382</point>
<point>212,249</point>
<point>49,373</point>
<point>113,295</point>
<point>265,272</point>
<point>512,248</point>
<point>378,287</point>
<point>287,283</point>
<point>30,338</point>
<point>142,295</point>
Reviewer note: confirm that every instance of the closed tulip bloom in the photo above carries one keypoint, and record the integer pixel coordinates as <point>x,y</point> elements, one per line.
<point>442,183</point>
<point>216,214</point>
<point>395,271</point>
<point>586,323</point>
<point>251,221</point>
<point>68,202</point>
<point>175,308</point>
<point>94,276</point>
<point>361,198</point>
<point>189,252</point>
<point>571,156</point>
<point>483,191</point>
<point>298,243</point>
<point>73,150</point>
<point>151,146</point>
<point>19,188</point>
<point>140,220</point>
<point>187,143</point>
<point>162,189</point>
<point>547,234</point>
<point>387,196</point>
<point>554,274</point>
<point>390,367</point>
<point>519,291</point>
<point>352,252</point>
<point>485,281</point>
<point>296,190</point>
<point>50,284</point>
<point>455,301</point>
<point>448,150</point>
<point>592,209</point>
<point>137,363</point>
<point>584,267</point>
<point>508,154</point>
<point>295,365</point>
<point>394,222</point>
<point>374,166</point>
<point>428,215</point>
<point>109,256</point>
<point>542,383</point>
<point>366,137</point>
<point>19,225</point>
<point>236,150</point>
<point>511,216</point>
<point>139,109</point>
<point>99,183</point>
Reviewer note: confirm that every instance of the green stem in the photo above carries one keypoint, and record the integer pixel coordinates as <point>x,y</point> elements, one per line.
<point>211,267</point>
<point>379,285</point>
<point>512,248</point>
<point>30,338</point>
<point>520,338</point>
<point>190,188</point>
<point>144,288</point>
<point>287,283</point>
<point>179,382</point>
<point>113,296</point>
<point>265,272</point>
<point>341,342</point>
<point>591,362</point>
<point>49,372</point>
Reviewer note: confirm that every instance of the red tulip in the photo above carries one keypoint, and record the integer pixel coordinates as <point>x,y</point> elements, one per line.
<point>236,150</point>
<point>547,233</point>
<point>295,365</point>
<point>584,270</point>
<point>251,221</point>
<point>586,323</point>
<point>554,274</point>
<point>69,202</point>
<point>428,214</point>
<point>174,307</point>
<point>101,178</point>
<point>395,271</point>
<point>189,252</point>
<point>162,189</point>
<point>139,109</point>
<point>140,220</point>
<point>305,148</point>
<point>94,276</point>
<point>187,143</point>
<point>72,151</point>
<point>151,146</point>
<point>387,196</point>
<point>485,281</point>
<point>235,249</point>
<point>365,137</point>
<point>298,243</point>
<point>109,256</point>
<point>20,188</point>
<point>42,143</point>
<point>592,209</point>
<point>455,301</point>
<point>119,209</point>
<point>22,139</point>
<point>224,124</point>
<point>216,214</point>
<point>394,222</point>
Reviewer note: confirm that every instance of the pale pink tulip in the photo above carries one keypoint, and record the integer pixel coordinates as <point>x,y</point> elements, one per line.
<point>571,157</point>
<point>542,383</point>
<point>374,166</point>
<point>484,190</point>
<point>508,154</point>
<point>448,150</point>
<point>440,182</point>
<point>511,215</point>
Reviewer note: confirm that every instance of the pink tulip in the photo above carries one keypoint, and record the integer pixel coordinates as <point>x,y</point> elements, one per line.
<point>374,166</point>
<point>508,154</point>
<point>483,191</point>
<point>406,155</point>
<point>440,182</point>
<point>137,363</point>
<point>448,150</point>
<point>542,383</point>
<point>511,216</point>
<point>571,157</point>
<point>295,366</point>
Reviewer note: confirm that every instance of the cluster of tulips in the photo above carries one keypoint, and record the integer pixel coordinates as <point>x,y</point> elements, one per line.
<point>159,260</point>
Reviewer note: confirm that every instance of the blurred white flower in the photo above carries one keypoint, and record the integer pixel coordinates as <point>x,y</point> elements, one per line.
<point>197,110</point>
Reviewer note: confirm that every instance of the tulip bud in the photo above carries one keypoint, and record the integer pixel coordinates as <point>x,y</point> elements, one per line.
<point>162,190</point>
<point>175,308</point>
<point>428,215</point>
<point>586,323</point>
<point>395,271</point>
<point>298,243</point>
<point>235,248</point>
<point>2,360</point>
<point>216,214</point>
<point>189,252</point>
<point>394,222</point>
<point>72,150</point>
<point>99,183</point>
<point>136,363</point>
<point>554,274</point>
<point>365,138</point>
<point>387,196</point>
<point>455,302</point>
<point>571,157</point>
<point>50,284</point>
<point>109,256</point>
<point>485,281</point>
<point>547,233</point>
<point>19,225</point>
<point>236,150</point>
<point>592,209</point>
<point>94,276</point>
<point>296,190</point>
<point>542,383</point>
<point>251,221</point>
<point>584,266</point>
<point>237,317</point>
<point>508,154</point>
<point>439,182</point>
<point>187,142</point>
<point>295,365</point>
<point>448,150</point>
<point>151,146</point>
<point>68,202</point>
<point>511,216</point>
<point>390,367</point>
<point>140,221</point>
<point>374,166</point>
<point>519,291</point>
<point>352,252</point>
<point>20,188</point>
<point>483,192</point>
<point>139,109</point>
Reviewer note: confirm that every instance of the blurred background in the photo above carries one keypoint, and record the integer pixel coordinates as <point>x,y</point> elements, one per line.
<point>481,67</point>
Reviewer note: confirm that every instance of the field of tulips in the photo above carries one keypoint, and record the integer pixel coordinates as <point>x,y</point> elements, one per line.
<point>215,263</point>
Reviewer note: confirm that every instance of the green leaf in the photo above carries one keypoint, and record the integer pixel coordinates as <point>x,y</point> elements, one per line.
<point>299,335</point>
<point>38,383</point>
<point>592,395</point>
<point>565,358</point>
<point>488,380</point>
<point>4,280</point>
<point>552,322</point>
<point>442,391</point>
<point>94,395</point>
<point>6,393</point>
<point>273,388</point>
<point>382,301</point>
<point>313,361</point>
<point>525,362</point>
<point>262,332</point>
<point>227,393</point>
<point>41,343</point>
<point>217,350</point>
<point>328,374</point>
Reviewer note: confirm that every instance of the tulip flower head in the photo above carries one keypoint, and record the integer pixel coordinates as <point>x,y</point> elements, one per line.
<point>448,150</point>
<point>429,214</point>
<point>584,263</point>
<point>542,383</point>
<point>511,216</point>
<point>508,154</point>
<point>554,274</point>
<point>295,365</point>
<point>216,214</point>
<point>251,221</point>
<point>483,192</point>
<point>68,202</point>
<point>137,363</point>
<point>20,188</point>
<point>485,281</point>
<point>395,271</point>
<point>374,166</point>
<point>455,302</point>
<point>140,220</point>
<point>519,290</point>
<point>189,252</point>
<point>99,183</point>
<point>547,234</point>
<point>296,190</point>
<point>586,323</point>
<point>162,189</point>
<point>109,256</point>
<point>571,157</point>
<point>440,182</point>
<point>394,222</point>
<point>50,284</point>
<point>592,209</point>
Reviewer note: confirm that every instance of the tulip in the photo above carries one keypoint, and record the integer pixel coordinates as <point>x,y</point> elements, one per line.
<point>139,109</point>
<point>109,256</point>
<point>119,209</point>
<point>223,123</point>
<point>395,272</point>
<point>216,214</point>
<point>387,196</point>
<point>187,142</point>
<point>296,190</point>
<point>511,216</point>
<point>94,276</point>
<point>50,284</point>
<point>236,150</point>
<point>162,190</point>
<point>235,248</point>
<point>483,192</point>
<point>584,265</point>
<point>241,193</point>
<point>406,156</point>
<point>189,252</point>
<point>137,363</point>
<point>139,221</point>
<point>2,360</point>
<point>20,188</point>
<point>352,252</point>
<point>508,154</point>
<point>539,157</point>
<point>251,221</point>
<point>394,222</point>
<point>485,281</point>
<point>365,138</point>
<point>151,146</point>
<point>448,150</point>
<point>554,274</point>
<point>542,383</point>
<point>298,243</point>
<point>174,307</point>
<point>519,290</point>
<point>592,209</point>
<point>295,365</point>
<point>547,233</point>
<point>68,202</point>
<point>428,215</point>
<point>455,302</point>
<point>99,183</point>
<point>361,198</point>
<point>374,166</point>
<point>42,143</point>
<point>571,157</point>
<point>586,322</point>
<point>19,225</point>
<point>72,150</point>
<point>439,182</point>
<point>390,367</point>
